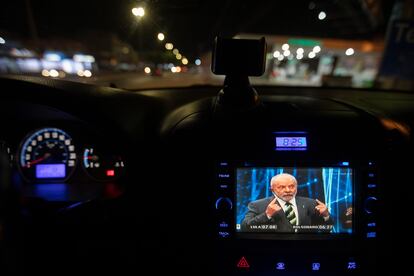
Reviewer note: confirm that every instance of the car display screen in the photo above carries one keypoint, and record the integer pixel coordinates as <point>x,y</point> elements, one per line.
<point>294,200</point>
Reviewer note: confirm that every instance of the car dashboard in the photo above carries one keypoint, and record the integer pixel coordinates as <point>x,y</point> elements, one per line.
<point>160,179</point>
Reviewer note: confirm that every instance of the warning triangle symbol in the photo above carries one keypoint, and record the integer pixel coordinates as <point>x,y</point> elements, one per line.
<point>243,263</point>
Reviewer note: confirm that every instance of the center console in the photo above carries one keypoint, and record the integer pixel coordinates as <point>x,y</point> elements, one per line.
<point>252,242</point>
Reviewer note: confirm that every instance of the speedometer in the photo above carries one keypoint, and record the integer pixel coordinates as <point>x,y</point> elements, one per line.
<point>47,154</point>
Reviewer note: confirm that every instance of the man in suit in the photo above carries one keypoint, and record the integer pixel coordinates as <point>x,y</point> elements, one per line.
<point>286,212</point>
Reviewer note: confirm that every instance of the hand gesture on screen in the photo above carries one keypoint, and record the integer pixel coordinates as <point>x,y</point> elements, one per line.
<point>272,208</point>
<point>321,209</point>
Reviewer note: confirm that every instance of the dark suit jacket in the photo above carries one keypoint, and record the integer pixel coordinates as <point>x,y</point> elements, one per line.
<point>306,211</point>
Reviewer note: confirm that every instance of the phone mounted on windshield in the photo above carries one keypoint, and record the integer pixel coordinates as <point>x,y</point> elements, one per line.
<point>238,59</point>
<point>242,57</point>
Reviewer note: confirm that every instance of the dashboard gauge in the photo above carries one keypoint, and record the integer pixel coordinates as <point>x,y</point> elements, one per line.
<point>5,148</point>
<point>103,167</point>
<point>47,154</point>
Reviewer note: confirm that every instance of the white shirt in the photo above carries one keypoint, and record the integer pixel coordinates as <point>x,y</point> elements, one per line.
<point>282,203</point>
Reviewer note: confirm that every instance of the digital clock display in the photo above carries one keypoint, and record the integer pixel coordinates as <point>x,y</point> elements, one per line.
<point>291,143</point>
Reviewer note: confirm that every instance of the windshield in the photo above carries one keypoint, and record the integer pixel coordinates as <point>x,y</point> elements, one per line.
<point>167,43</point>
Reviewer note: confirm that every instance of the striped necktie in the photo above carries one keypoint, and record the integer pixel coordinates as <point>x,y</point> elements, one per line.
<point>290,213</point>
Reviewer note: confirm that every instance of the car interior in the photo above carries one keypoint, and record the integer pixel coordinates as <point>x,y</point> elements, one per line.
<point>150,181</point>
<point>155,137</point>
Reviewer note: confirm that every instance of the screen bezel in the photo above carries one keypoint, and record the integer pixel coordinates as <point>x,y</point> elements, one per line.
<point>297,236</point>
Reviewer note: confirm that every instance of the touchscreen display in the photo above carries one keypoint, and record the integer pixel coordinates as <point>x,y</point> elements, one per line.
<point>294,200</point>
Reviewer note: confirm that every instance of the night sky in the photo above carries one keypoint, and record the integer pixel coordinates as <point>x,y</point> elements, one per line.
<point>190,24</point>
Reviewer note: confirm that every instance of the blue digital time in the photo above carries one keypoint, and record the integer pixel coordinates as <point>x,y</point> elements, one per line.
<point>291,142</point>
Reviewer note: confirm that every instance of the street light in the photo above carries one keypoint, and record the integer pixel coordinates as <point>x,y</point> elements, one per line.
<point>349,52</point>
<point>161,36</point>
<point>316,49</point>
<point>2,41</point>
<point>300,51</point>
<point>138,11</point>
<point>169,46</point>
<point>322,15</point>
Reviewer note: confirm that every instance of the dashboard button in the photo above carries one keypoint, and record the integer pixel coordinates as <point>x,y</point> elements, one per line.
<point>223,224</point>
<point>316,266</point>
<point>370,205</point>
<point>224,175</point>
<point>280,266</point>
<point>224,234</point>
<point>243,263</point>
<point>352,265</point>
<point>224,204</point>
<point>224,164</point>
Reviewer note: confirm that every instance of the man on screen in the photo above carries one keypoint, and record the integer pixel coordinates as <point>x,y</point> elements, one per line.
<point>286,212</point>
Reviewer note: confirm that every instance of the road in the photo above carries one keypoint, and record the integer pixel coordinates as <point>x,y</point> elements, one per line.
<point>134,81</point>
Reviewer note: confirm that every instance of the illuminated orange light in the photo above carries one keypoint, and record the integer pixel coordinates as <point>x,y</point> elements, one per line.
<point>367,47</point>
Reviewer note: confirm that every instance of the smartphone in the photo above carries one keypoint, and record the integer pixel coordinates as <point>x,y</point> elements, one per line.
<point>242,57</point>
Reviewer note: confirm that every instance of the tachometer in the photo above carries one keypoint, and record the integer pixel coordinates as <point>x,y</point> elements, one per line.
<point>48,153</point>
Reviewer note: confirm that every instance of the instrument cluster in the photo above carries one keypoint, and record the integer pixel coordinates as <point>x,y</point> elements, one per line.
<point>50,154</point>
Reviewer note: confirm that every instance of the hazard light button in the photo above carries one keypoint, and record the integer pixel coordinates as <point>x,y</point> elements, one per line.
<point>243,264</point>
